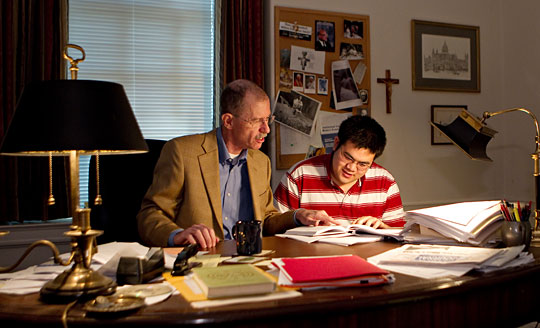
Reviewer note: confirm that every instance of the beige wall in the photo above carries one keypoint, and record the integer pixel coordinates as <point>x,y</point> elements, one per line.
<point>509,64</point>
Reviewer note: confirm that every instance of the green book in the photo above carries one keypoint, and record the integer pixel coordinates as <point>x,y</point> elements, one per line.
<point>233,280</point>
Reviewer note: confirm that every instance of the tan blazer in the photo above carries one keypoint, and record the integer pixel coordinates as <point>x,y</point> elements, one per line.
<point>185,191</point>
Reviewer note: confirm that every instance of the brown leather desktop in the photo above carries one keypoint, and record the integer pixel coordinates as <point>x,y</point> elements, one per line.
<point>502,299</point>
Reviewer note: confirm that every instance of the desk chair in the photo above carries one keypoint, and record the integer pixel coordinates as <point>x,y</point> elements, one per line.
<point>123,182</point>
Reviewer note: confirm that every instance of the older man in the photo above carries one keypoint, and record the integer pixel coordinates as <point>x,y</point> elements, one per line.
<point>203,184</point>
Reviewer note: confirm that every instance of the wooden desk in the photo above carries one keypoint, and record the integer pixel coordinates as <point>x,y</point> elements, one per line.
<point>502,299</point>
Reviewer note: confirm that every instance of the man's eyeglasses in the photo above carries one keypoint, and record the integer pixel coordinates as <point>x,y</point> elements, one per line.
<point>258,121</point>
<point>348,158</point>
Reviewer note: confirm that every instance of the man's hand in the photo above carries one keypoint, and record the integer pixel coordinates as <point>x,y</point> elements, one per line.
<point>314,218</point>
<point>197,234</point>
<point>371,221</point>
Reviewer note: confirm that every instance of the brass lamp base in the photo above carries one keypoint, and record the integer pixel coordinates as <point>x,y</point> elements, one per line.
<point>76,282</point>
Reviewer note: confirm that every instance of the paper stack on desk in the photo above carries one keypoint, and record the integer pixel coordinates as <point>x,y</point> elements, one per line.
<point>436,261</point>
<point>474,223</point>
<point>329,271</point>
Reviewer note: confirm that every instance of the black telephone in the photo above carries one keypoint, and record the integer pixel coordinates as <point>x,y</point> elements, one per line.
<point>137,270</point>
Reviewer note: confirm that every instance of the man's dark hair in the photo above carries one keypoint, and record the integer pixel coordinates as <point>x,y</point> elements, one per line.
<point>363,132</point>
<point>232,96</point>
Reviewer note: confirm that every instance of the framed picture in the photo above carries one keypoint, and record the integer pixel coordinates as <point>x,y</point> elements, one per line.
<point>443,114</point>
<point>445,57</point>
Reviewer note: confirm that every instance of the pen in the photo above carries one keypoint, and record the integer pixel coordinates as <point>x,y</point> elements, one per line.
<point>516,214</point>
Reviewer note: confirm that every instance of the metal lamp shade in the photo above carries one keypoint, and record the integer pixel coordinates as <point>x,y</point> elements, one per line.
<point>66,115</point>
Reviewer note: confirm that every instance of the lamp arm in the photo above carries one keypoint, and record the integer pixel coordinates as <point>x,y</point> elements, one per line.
<point>535,156</point>
<point>35,244</point>
<point>487,115</point>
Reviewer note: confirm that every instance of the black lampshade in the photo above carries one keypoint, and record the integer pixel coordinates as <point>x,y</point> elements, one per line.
<point>64,115</point>
<point>469,134</point>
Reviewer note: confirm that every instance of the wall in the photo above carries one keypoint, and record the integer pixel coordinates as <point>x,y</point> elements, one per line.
<point>430,175</point>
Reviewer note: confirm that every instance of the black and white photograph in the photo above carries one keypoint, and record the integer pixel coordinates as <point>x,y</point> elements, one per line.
<point>344,87</point>
<point>296,111</point>
<point>307,60</point>
<point>325,36</point>
<point>310,82</point>
<point>364,96</point>
<point>353,29</point>
<point>445,57</point>
<point>322,86</point>
<point>350,51</point>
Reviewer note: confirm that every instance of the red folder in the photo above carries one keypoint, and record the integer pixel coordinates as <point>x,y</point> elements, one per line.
<point>319,269</point>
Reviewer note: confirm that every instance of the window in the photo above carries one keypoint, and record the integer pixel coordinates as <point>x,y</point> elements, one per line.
<point>161,51</point>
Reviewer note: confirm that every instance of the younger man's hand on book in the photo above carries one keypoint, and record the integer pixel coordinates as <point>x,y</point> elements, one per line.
<point>371,221</point>
<point>314,218</point>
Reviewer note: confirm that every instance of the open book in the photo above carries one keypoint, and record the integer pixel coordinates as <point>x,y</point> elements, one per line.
<point>342,230</point>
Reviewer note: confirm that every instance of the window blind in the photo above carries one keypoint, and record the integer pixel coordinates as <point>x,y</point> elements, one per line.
<point>161,51</point>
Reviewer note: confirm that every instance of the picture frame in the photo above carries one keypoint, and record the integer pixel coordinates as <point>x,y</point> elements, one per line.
<point>445,57</point>
<point>443,114</point>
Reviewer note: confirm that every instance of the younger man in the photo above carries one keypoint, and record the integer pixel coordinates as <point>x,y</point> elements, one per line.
<point>347,184</point>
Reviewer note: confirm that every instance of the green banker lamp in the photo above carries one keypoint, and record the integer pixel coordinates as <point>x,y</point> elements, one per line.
<point>73,118</point>
<point>472,135</point>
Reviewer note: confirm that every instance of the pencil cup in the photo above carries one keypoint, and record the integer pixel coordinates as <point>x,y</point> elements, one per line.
<point>248,236</point>
<point>515,233</point>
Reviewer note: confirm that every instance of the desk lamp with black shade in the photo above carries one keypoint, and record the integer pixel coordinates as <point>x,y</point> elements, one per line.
<point>73,118</point>
<point>472,135</point>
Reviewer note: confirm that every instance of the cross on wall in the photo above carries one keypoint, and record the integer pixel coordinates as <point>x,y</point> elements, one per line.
<point>388,81</point>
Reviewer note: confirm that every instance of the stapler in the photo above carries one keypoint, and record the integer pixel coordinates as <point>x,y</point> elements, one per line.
<point>181,266</point>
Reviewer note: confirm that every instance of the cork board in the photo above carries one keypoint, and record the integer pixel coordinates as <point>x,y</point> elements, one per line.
<point>305,66</point>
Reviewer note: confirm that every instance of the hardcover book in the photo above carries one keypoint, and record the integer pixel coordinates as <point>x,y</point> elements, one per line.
<point>232,280</point>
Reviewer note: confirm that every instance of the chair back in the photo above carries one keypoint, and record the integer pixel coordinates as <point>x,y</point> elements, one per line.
<point>124,180</point>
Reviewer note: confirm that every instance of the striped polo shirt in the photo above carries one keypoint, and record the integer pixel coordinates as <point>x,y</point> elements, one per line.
<point>308,185</point>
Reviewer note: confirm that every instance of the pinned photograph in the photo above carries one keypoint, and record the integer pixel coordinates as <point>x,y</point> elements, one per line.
<point>325,37</point>
<point>359,72</point>
<point>296,111</point>
<point>364,96</point>
<point>310,83</point>
<point>344,87</point>
<point>298,81</point>
<point>353,29</point>
<point>307,60</point>
<point>285,78</point>
<point>322,86</point>
<point>285,58</point>
<point>350,51</point>
<point>295,31</point>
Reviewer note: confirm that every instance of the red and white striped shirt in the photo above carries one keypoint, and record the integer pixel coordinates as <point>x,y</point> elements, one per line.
<point>308,185</point>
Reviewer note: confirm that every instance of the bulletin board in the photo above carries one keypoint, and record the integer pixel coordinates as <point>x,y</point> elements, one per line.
<point>297,33</point>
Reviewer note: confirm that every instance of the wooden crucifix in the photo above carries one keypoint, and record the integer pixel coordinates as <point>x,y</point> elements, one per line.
<point>388,81</point>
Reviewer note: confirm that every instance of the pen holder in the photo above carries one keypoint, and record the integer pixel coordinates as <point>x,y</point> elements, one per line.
<point>515,233</point>
<point>248,236</point>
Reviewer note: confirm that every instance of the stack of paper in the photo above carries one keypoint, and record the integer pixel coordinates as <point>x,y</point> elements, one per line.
<point>436,261</point>
<point>473,223</point>
<point>329,271</point>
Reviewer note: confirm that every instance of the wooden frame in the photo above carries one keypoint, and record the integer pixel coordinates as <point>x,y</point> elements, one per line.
<point>299,28</point>
<point>443,114</point>
<point>445,57</point>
